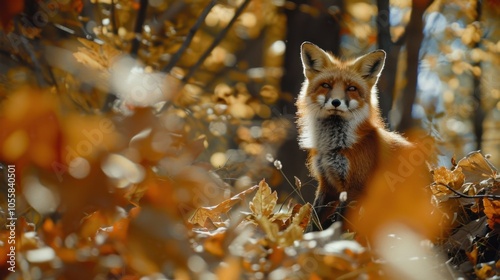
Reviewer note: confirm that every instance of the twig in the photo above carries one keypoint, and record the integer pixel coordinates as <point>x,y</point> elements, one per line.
<point>216,41</point>
<point>461,195</point>
<point>189,37</point>
<point>314,216</point>
<point>141,17</point>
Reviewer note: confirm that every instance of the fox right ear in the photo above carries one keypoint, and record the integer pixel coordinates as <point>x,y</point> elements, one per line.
<point>314,59</point>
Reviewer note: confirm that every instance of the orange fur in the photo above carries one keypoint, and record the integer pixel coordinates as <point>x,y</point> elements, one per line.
<point>340,124</point>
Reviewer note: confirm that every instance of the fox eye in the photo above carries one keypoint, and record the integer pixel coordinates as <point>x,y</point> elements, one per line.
<point>326,85</point>
<point>351,88</point>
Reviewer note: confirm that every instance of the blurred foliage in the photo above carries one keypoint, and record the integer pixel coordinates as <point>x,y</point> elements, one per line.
<point>140,128</point>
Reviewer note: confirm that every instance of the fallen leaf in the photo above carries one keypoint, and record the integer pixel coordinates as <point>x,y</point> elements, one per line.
<point>453,178</point>
<point>472,255</point>
<point>214,244</point>
<point>264,201</point>
<point>485,272</point>
<point>477,168</point>
<point>214,212</point>
<point>492,211</point>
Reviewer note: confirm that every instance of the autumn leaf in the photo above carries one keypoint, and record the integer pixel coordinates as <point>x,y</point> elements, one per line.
<point>214,244</point>
<point>472,255</point>
<point>95,56</point>
<point>270,229</point>
<point>476,168</point>
<point>454,178</point>
<point>213,213</point>
<point>492,211</point>
<point>302,218</point>
<point>485,272</point>
<point>264,201</point>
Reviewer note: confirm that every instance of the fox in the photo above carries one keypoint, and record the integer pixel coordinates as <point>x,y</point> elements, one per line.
<point>340,126</point>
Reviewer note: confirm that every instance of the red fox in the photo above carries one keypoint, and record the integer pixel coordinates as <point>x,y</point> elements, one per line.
<point>340,124</point>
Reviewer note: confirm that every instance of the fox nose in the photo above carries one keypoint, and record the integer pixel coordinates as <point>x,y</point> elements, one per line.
<point>336,103</point>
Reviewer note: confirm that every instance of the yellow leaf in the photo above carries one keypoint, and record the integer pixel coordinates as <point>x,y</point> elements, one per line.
<point>292,233</point>
<point>271,229</point>
<point>485,272</point>
<point>302,218</point>
<point>264,201</point>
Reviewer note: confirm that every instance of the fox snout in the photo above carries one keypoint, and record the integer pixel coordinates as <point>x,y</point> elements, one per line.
<point>337,104</point>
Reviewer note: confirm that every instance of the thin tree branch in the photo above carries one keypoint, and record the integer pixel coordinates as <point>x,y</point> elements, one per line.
<point>113,18</point>
<point>461,195</point>
<point>413,43</point>
<point>189,37</point>
<point>387,81</point>
<point>479,114</point>
<point>141,18</point>
<point>216,41</point>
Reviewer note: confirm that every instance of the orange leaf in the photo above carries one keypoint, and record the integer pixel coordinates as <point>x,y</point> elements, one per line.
<point>492,211</point>
<point>214,244</point>
<point>472,255</point>
<point>485,272</point>
<point>454,179</point>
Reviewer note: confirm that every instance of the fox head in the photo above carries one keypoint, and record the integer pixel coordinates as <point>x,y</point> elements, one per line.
<point>336,87</point>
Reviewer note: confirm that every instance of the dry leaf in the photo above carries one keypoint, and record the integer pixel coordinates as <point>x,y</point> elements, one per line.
<point>290,235</point>
<point>492,211</point>
<point>264,201</point>
<point>303,217</point>
<point>472,255</point>
<point>485,272</point>
<point>214,244</point>
<point>95,56</point>
<point>214,212</point>
<point>454,179</point>
<point>477,168</point>
<point>270,229</point>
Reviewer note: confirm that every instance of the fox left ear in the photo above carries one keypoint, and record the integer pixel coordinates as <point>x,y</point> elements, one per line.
<point>314,59</point>
<point>370,65</point>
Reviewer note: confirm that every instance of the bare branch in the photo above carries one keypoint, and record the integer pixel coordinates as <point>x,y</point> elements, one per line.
<point>189,37</point>
<point>216,41</point>
<point>462,195</point>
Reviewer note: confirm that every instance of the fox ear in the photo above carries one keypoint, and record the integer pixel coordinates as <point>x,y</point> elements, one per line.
<point>370,65</point>
<point>314,59</point>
